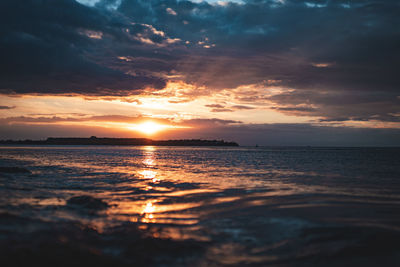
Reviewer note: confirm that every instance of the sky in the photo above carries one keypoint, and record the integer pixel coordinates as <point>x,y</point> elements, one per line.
<point>266,72</point>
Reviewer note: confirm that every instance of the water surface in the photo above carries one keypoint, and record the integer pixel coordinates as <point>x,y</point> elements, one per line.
<point>181,206</point>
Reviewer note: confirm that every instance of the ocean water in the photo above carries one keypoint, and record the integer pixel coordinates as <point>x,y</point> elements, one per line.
<point>186,206</point>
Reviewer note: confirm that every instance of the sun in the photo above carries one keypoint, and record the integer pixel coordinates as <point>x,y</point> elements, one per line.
<point>149,127</point>
<point>152,127</point>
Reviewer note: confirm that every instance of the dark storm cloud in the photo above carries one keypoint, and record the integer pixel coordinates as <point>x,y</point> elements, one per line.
<point>270,39</point>
<point>340,59</point>
<point>348,50</point>
<point>56,47</point>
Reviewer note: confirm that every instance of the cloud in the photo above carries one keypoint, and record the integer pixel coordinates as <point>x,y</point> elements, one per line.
<point>62,48</point>
<point>339,106</point>
<point>241,107</point>
<point>7,107</point>
<point>340,62</point>
<point>171,11</point>
<point>75,118</point>
<point>221,108</point>
<point>256,41</point>
<point>214,106</point>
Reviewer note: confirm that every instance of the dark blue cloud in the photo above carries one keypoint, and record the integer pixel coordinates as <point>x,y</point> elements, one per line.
<point>54,47</point>
<point>341,58</point>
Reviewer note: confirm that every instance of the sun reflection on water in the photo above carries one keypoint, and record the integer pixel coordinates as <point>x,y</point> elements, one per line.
<point>149,163</point>
<point>148,174</point>
<point>147,213</point>
<point>149,148</point>
<point>149,208</point>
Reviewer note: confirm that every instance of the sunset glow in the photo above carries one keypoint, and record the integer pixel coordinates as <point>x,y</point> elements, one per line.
<point>149,127</point>
<point>200,132</point>
<point>162,66</point>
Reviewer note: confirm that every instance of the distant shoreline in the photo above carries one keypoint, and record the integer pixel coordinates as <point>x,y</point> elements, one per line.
<point>101,141</point>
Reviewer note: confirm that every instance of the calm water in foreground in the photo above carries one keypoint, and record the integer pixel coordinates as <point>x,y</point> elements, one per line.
<point>175,206</point>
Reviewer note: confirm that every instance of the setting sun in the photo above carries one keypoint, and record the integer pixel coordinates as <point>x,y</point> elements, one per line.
<point>149,127</point>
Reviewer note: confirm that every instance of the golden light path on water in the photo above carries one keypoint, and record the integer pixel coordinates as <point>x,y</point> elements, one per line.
<point>158,189</point>
<point>148,210</point>
<point>166,197</point>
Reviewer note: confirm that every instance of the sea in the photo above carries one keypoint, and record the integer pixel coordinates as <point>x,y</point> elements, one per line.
<point>199,206</point>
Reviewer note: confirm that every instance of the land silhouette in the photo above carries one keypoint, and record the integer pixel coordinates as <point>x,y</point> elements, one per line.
<point>118,142</point>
